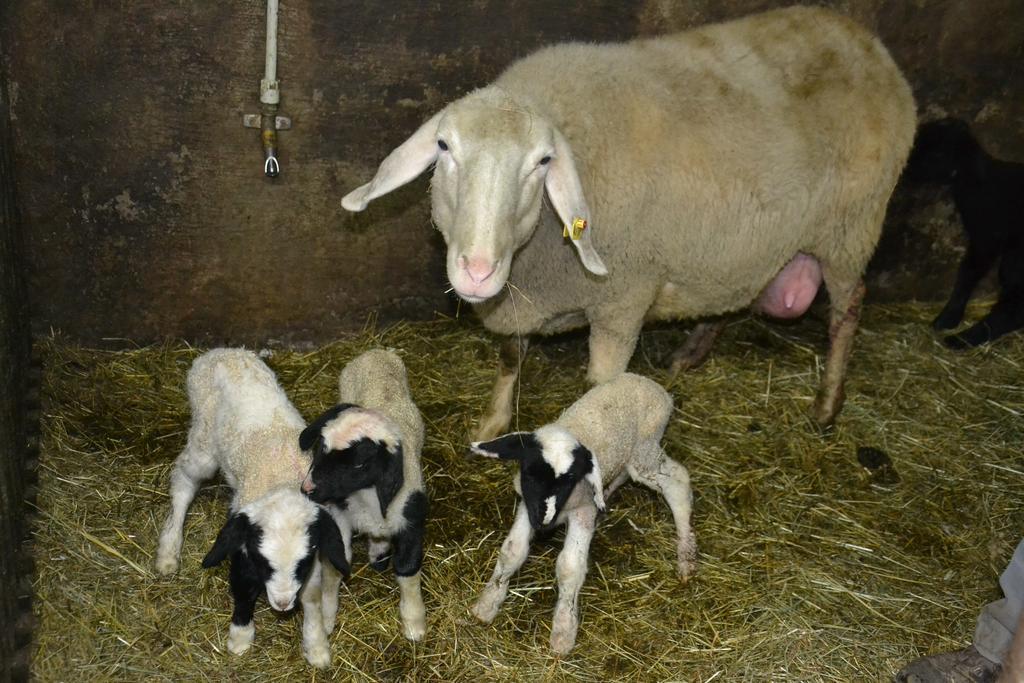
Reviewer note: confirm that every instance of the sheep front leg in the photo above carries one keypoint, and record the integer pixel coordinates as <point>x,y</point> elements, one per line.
<point>315,647</point>
<point>513,554</point>
<point>571,568</point>
<point>408,560</point>
<point>510,361</point>
<point>245,588</point>
<point>612,342</point>
<point>672,481</point>
<point>331,577</point>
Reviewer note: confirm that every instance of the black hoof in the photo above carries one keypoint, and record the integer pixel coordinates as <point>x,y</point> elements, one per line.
<point>946,321</point>
<point>381,563</point>
<point>956,342</point>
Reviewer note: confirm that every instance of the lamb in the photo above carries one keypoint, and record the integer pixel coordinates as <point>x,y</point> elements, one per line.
<point>366,465</point>
<point>566,471</point>
<point>692,173</point>
<point>989,196</point>
<point>244,425</point>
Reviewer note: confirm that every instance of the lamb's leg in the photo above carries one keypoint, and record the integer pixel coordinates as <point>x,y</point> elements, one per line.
<point>408,559</point>
<point>1005,317</point>
<point>613,336</point>
<point>696,348</point>
<point>191,468</point>
<point>245,588</point>
<point>846,295</point>
<point>672,481</point>
<point>572,570</point>
<point>513,554</point>
<point>975,263</point>
<point>331,581</point>
<point>499,415</point>
<point>315,647</point>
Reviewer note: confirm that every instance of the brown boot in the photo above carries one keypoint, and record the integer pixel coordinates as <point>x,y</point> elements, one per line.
<point>961,666</point>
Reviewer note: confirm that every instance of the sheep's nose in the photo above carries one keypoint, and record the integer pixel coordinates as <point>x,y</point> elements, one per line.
<point>281,605</point>
<point>307,485</point>
<point>478,269</point>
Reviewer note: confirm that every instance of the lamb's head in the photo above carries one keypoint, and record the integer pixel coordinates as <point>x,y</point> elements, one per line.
<point>353,448</point>
<point>552,462</point>
<point>494,159</point>
<point>942,148</point>
<point>275,539</point>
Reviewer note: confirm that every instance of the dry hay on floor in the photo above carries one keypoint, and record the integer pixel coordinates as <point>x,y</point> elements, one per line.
<point>813,567</point>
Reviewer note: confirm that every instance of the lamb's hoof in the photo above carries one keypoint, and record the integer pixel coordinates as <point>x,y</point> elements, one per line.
<point>381,563</point>
<point>240,638</point>
<point>415,629</point>
<point>166,565</point>
<point>562,642</point>
<point>956,342</point>
<point>946,321</point>
<point>484,611</point>
<point>318,655</point>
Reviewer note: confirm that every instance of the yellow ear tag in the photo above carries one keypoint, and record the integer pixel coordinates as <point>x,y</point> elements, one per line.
<point>578,226</point>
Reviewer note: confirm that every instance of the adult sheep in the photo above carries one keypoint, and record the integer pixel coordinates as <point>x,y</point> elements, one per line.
<point>695,174</point>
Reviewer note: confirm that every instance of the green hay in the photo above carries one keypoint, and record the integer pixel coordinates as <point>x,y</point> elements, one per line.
<point>812,567</point>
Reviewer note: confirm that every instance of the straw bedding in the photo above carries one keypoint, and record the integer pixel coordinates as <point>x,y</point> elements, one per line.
<point>814,566</point>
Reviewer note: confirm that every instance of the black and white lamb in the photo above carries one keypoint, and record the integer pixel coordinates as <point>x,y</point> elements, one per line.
<point>244,426</point>
<point>568,468</point>
<point>366,465</point>
<point>989,196</point>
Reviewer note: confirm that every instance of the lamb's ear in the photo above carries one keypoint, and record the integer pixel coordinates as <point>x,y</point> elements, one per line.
<point>594,477</point>
<point>332,545</point>
<point>231,537</point>
<point>405,162</point>
<point>566,194</point>
<point>508,447</point>
<point>309,435</point>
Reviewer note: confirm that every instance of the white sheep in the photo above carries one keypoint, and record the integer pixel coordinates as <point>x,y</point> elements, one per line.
<point>566,471</point>
<point>694,173</point>
<point>366,465</point>
<point>244,426</point>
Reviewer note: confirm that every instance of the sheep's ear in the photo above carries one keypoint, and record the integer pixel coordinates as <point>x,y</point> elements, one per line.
<point>332,545</point>
<point>308,437</point>
<point>566,194</point>
<point>231,537</point>
<point>407,161</point>
<point>508,447</point>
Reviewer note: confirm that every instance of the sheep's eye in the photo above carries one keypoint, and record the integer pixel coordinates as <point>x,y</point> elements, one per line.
<point>545,160</point>
<point>443,145</point>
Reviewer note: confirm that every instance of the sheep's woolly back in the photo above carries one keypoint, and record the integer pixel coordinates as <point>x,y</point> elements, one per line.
<point>377,380</point>
<point>621,422</point>
<point>242,417</point>
<point>709,158</point>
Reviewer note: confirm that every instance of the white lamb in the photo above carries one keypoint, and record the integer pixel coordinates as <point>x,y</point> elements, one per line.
<point>566,471</point>
<point>366,464</point>
<point>244,426</point>
<point>695,174</point>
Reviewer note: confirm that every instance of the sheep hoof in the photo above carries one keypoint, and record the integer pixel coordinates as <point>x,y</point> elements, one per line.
<point>240,638</point>
<point>318,655</point>
<point>485,610</point>
<point>562,642</point>
<point>166,565</point>
<point>415,629</point>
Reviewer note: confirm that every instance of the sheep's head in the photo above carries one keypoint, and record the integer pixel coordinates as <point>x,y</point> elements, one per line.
<point>551,464</point>
<point>353,449</point>
<point>275,539</point>
<point>494,159</point>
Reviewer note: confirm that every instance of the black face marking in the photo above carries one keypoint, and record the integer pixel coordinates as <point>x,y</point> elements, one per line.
<point>363,464</point>
<point>408,542</point>
<point>310,436</point>
<point>537,478</point>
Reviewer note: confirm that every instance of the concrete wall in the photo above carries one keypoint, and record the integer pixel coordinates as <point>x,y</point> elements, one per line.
<point>147,214</point>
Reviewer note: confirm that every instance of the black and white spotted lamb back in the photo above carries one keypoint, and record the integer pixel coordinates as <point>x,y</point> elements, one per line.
<point>568,468</point>
<point>366,465</point>
<point>244,426</point>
